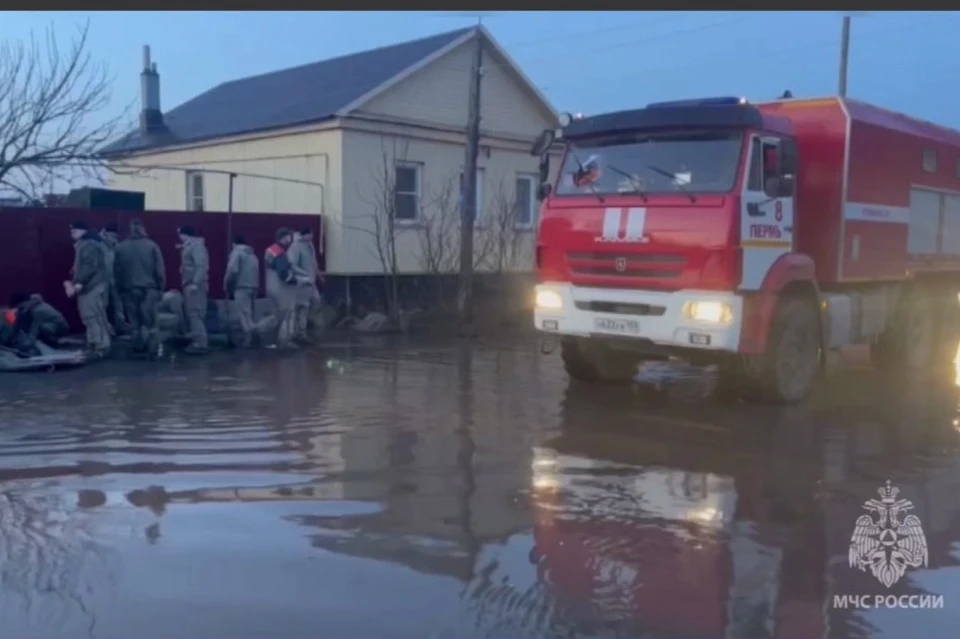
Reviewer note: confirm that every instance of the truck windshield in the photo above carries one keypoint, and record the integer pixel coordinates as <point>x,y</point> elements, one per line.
<point>660,162</point>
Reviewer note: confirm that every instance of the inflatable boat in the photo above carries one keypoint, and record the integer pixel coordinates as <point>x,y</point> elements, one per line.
<point>48,359</point>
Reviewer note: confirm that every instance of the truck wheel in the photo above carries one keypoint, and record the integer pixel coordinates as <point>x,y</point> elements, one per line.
<point>919,328</point>
<point>792,362</point>
<point>906,346</point>
<point>883,353</point>
<point>947,330</point>
<point>590,362</point>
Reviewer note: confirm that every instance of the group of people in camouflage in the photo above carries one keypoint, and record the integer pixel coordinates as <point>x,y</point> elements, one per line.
<point>127,279</point>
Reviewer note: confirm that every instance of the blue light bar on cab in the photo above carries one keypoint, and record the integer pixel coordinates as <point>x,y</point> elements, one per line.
<point>698,102</point>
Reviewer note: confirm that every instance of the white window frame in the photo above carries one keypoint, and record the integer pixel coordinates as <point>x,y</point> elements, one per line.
<point>533,179</point>
<point>193,199</point>
<point>417,167</point>
<point>478,219</point>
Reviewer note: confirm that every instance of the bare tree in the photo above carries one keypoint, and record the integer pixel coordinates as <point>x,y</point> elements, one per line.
<point>51,558</point>
<point>502,240</point>
<point>52,101</point>
<point>381,195</point>
<point>438,233</point>
<point>483,241</point>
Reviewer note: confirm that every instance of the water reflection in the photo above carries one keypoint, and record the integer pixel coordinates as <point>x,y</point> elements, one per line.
<point>728,521</point>
<point>462,490</point>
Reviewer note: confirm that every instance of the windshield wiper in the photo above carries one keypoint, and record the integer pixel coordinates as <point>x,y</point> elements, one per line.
<point>673,176</point>
<point>583,171</point>
<point>634,182</point>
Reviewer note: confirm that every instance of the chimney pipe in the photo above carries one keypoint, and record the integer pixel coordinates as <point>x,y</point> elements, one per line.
<point>151,118</point>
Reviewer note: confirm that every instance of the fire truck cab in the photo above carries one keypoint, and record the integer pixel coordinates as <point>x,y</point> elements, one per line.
<point>726,233</point>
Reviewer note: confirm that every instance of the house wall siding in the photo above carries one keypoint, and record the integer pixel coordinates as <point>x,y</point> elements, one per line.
<point>310,157</point>
<point>366,158</point>
<point>418,119</point>
<point>439,93</point>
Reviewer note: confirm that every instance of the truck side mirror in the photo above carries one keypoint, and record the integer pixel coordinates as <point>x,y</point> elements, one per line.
<point>543,169</point>
<point>543,142</point>
<point>777,186</point>
<point>788,157</point>
<point>787,186</point>
<point>772,187</point>
<point>543,181</point>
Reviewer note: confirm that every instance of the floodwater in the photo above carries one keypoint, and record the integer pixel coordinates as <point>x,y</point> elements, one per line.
<point>457,490</point>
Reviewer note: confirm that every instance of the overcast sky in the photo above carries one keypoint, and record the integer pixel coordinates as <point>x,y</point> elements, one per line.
<point>584,61</point>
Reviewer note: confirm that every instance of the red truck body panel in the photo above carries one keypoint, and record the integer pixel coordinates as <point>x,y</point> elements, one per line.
<point>690,246</point>
<point>860,168</point>
<point>867,209</point>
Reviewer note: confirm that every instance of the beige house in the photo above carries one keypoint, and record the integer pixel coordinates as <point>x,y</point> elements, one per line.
<point>364,140</point>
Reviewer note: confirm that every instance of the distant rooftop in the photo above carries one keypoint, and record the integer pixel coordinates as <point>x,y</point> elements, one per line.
<point>299,95</point>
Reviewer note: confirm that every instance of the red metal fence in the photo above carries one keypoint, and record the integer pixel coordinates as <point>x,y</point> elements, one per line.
<point>36,251</point>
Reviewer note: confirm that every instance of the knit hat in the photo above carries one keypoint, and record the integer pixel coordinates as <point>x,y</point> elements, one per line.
<point>283,232</point>
<point>79,225</point>
<point>111,227</point>
<point>239,239</point>
<point>187,230</point>
<point>306,231</point>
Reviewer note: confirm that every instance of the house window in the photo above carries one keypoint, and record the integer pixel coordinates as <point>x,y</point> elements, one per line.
<point>478,211</point>
<point>525,200</point>
<point>194,191</point>
<point>406,197</point>
<point>930,160</point>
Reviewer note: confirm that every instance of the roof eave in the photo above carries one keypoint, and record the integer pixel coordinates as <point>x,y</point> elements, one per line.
<point>237,136</point>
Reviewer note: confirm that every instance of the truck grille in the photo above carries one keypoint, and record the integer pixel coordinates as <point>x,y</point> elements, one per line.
<point>659,265</point>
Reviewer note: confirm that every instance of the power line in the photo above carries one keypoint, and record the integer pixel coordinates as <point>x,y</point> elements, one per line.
<point>633,26</point>
<point>826,44</point>
<point>608,47</point>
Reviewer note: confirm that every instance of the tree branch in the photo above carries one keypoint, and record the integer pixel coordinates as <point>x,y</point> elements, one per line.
<point>51,113</point>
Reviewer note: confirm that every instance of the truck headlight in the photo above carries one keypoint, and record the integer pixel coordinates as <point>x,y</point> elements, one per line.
<point>549,300</point>
<point>709,311</point>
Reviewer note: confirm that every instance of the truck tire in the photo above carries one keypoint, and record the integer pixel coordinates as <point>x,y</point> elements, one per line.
<point>790,367</point>
<point>883,353</point>
<point>590,362</point>
<point>920,338</point>
<point>917,331</point>
<point>946,332</point>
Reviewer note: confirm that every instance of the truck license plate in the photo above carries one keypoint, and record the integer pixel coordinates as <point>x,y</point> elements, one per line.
<point>627,327</point>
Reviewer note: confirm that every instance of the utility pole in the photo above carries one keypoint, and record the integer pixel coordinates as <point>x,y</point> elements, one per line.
<point>468,204</point>
<point>844,55</point>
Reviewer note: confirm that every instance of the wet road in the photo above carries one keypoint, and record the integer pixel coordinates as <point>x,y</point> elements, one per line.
<point>444,490</point>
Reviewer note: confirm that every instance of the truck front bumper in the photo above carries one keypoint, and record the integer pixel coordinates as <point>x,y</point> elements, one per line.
<point>689,319</point>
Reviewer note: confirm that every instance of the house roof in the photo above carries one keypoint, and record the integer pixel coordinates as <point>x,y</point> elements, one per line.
<point>299,95</point>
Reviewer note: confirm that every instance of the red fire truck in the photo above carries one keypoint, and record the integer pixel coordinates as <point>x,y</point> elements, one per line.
<point>760,238</point>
